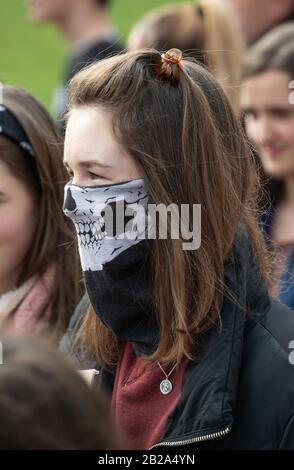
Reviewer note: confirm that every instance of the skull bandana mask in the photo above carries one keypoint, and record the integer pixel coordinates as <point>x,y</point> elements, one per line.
<point>111,225</point>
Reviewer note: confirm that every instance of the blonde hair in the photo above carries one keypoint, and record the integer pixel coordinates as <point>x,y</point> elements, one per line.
<point>207,31</point>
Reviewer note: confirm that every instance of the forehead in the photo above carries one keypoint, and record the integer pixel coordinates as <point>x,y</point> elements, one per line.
<point>269,88</point>
<point>89,135</point>
<point>88,119</point>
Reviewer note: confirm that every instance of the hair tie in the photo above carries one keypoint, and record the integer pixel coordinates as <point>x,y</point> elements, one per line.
<point>171,63</point>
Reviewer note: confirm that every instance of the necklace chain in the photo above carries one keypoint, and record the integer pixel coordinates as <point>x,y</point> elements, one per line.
<point>166,375</point>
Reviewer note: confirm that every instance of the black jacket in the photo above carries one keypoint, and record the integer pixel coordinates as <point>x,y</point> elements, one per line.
<point>239,394</point>
<point>101,49</point>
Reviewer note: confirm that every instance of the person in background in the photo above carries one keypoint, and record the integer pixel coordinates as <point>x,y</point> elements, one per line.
<point>88,31</point>
<point>257,17</point>
<point>181,335</point>
<point>46,405</point>
<point>269,120</point>
<point>206,30</point>
<point>40,278</point>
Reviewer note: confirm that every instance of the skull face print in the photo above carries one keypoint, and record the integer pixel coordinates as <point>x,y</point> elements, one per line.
<point>108,219</point>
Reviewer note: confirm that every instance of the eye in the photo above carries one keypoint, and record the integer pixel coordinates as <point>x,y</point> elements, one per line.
<point>94,176</point>
<point>250,113</point>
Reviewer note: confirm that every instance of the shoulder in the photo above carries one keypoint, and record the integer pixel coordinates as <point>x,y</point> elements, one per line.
<point>102,49</point>
<point>78,315</point>
<point>66,343</point>
<point>278,326</point>
<point>267,374</point>
<point>265,402</point>
<point>267,343</point>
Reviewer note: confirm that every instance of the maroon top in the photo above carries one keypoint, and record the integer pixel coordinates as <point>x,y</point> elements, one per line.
<point>139,408</point>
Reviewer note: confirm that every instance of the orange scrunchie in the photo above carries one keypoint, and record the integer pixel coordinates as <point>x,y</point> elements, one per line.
<point>171,64</point>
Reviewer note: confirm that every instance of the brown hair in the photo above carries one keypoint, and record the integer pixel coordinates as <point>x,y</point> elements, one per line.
<point>54,237</point>
<point>46,405</point>
<point>207,31</point>
<point>274,51</point>
<point>192,150</point>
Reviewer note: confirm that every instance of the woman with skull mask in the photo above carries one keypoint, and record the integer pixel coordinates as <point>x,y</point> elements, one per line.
<point>181,334</point>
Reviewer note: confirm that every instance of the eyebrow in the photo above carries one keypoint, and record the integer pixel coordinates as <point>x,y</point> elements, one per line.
<point>270,108</point>
<point>88,164</point>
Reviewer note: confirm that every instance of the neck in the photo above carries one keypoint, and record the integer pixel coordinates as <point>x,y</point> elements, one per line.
<point>289,191</point>
<point>84,24</point>
<point>8,282</point>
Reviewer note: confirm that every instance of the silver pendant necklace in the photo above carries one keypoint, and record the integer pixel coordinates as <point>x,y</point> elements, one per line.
<point>166,385</point>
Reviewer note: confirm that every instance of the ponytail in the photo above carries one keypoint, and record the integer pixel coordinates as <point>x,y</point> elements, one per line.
<point>223,45</point>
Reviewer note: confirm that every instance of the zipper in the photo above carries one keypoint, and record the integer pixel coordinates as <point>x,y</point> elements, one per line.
<point>207,437</point>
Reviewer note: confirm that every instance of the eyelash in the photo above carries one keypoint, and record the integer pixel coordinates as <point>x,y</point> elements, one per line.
<point>93,175</point>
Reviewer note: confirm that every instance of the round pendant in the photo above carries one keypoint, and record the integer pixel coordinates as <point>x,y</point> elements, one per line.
<point>166,387</point>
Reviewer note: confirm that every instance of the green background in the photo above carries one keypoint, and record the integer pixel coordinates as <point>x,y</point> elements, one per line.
<point>32,54</point>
